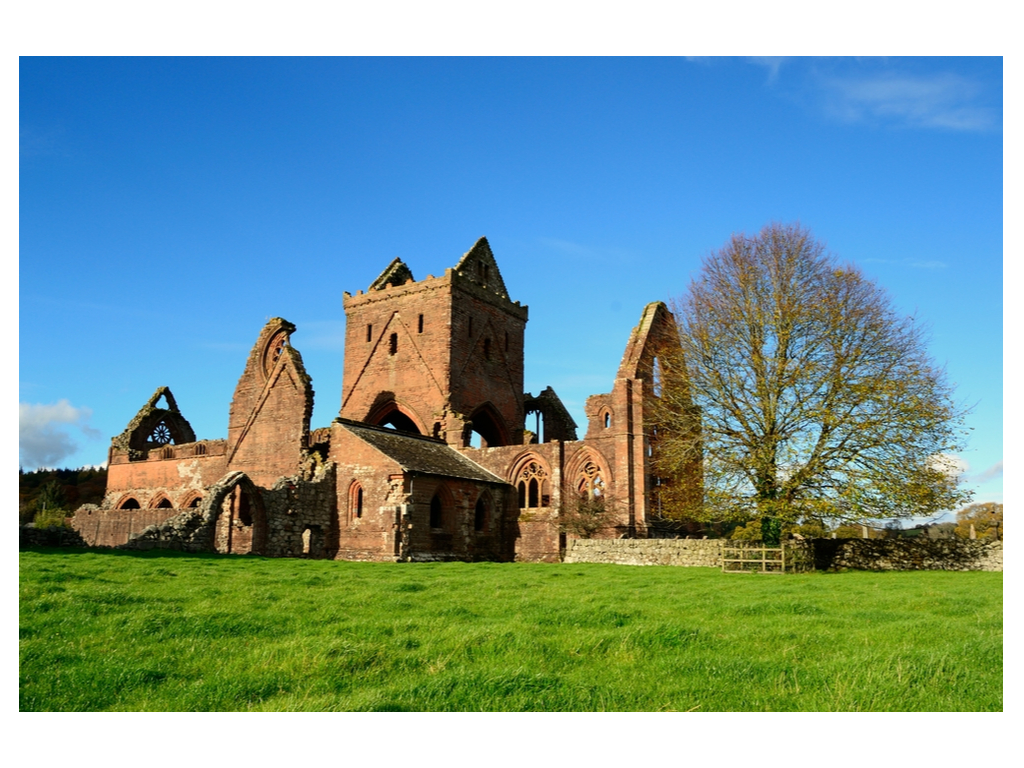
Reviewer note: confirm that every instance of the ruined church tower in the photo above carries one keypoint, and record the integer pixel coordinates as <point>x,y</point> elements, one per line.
<point>441,357</point>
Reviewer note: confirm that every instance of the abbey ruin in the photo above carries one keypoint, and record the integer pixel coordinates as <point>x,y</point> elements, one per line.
<point>394,477</point>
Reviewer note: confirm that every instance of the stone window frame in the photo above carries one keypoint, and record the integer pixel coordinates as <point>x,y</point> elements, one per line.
<point>356,500</point>
<point>441,515</point>
<point>531,478</point>
<point>482,513</point>
<point>157,502</point>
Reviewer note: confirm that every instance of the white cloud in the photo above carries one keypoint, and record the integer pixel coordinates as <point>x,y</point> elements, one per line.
<point>952,465</point>
<point>41,439</point>
<point>935,101</point>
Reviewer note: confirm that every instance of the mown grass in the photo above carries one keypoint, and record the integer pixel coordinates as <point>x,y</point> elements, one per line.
<point>167,631</point>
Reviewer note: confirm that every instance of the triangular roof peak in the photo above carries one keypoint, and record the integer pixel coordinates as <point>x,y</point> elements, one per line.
<point>478,265</point>
<point>396,273</point>
<point>656,332</point>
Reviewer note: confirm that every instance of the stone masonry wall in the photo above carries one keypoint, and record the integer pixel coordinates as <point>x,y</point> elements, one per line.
<point>907,555</point>
<point>700,553</point>
<point>827,554</point>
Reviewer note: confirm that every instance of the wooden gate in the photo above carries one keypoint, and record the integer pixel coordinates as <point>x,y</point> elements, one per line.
<point>746,558</point>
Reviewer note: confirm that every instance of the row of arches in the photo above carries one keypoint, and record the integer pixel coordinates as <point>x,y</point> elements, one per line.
<point>160,501</point>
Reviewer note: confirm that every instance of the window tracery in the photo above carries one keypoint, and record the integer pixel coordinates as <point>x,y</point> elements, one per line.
<point>533,486</point>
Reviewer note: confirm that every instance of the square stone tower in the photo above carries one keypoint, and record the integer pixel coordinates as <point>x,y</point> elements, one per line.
<point>441,357</point>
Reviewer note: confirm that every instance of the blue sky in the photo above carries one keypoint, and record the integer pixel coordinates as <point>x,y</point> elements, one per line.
<point>169,207</point>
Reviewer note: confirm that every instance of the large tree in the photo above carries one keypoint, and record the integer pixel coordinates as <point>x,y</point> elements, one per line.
<point>817,398</point>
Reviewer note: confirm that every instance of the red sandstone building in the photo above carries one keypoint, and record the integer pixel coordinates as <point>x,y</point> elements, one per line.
<point>394,477</point>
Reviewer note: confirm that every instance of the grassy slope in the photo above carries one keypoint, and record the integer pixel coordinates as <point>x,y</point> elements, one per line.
<point>162,631</point>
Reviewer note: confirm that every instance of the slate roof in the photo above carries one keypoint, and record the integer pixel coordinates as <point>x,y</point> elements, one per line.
<point>415,453</point>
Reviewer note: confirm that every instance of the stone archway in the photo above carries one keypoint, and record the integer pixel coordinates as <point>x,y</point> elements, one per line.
<point>233,513</point>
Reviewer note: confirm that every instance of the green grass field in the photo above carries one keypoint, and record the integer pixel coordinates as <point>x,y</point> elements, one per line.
<point>167,631</point>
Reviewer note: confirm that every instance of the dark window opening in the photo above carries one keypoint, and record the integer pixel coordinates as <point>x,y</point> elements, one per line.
<point>131,503</point>
<point>435,512</point>
<point>359,502</point>
<point>244,509</point>
<point>194,504</point>
<point>369,332</point>
<point>534,493</point>
<point>471,327</point>
<point>522,494</point>
<point>165,503</point>
<point>487,427</point>
<point>506,341</point>
<point>399,421</point>
<point>421,324</point>
<point>480,516</point>
<point>487,349</point>
<point>393,344</point>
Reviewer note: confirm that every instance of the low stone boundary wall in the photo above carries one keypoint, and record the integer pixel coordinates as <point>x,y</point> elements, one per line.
<point>822,554</point>
<point>55,536</point>
<point>705,553</point>
<point>907,554</point>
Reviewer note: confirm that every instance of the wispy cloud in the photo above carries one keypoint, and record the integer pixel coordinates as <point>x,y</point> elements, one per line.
<point>996,470</point>
<point>940,100</point>
<point>771,63</point>
<point>43,439</point>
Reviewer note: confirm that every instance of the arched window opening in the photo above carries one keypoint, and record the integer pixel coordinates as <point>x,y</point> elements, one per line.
<point>130,503</point>
<point>589,483</point>
<point>538,426</point>
<point>436,512</point>
<point>200,450</point>
<point>194,504</point>
<point>534,490</point>
<point>656,377</point>
<point>165,503</point>
<point>243,510</point>
<point>393,344</point>
<point>480,515</point>
<point>355,500</point>
<point>607,419</point>
<point>398,421</point>
<point>486,425</point>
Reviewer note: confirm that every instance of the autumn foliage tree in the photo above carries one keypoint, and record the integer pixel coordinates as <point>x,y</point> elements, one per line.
<point>986,518</point>
<point>817,398</point>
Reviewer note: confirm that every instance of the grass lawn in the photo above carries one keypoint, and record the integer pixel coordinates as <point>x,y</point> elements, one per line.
<point>168,631</point>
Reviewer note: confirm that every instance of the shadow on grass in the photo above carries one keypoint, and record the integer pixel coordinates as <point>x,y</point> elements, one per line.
<point>149,554</point>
